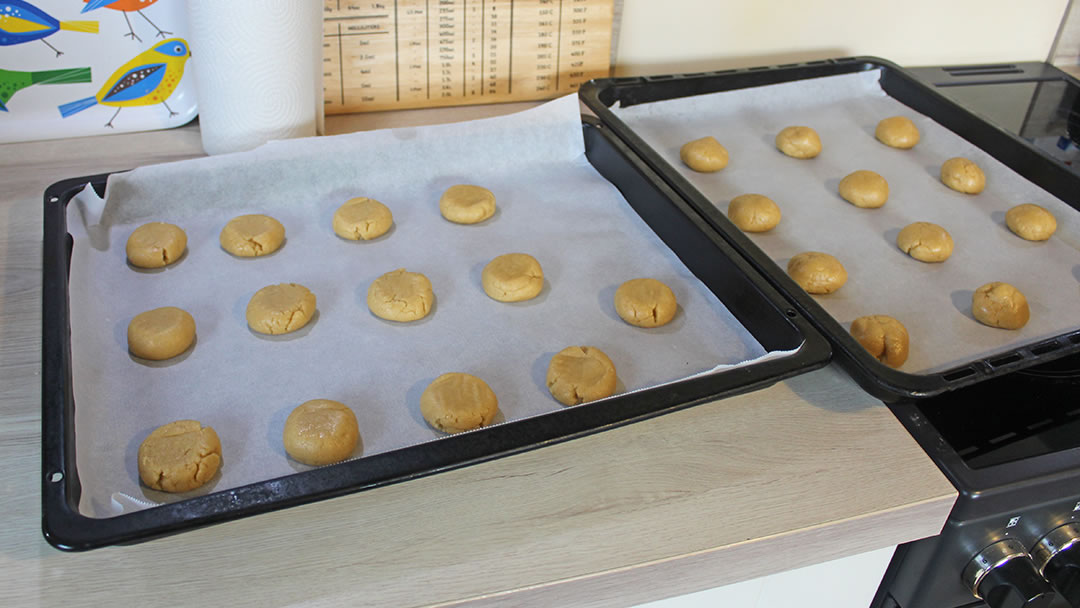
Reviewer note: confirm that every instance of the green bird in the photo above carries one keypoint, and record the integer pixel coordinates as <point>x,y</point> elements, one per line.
<point>13,81</point>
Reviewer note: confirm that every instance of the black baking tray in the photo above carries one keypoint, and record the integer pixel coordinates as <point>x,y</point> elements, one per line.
<point>756,304</point>
<point>876,378</point>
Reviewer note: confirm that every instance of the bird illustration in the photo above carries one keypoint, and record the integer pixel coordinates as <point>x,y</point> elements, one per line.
<point>126,6</point>
<point>149,78</point>
<point>12,81</point>
<point>23,22</point>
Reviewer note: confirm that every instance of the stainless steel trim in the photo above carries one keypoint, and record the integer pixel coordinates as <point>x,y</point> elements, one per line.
<point>989,559</point>
<point>1054,542</point>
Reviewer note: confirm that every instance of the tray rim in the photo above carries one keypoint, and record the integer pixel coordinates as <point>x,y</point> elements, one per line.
<point>885,383</point>
<point>64,527</point>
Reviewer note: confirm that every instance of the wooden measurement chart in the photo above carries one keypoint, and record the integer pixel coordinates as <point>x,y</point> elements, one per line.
<point>418,53</point>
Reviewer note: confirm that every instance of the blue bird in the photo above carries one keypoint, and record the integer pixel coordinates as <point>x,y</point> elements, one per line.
<point>23,22</point>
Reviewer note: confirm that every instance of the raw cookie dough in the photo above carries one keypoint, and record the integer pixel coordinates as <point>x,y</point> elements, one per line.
<point>320,432</point>
<point>1031,222</point>
<point>466,204</point>
<point>897,132</point>
<point>704,155</point>
<point>885,338</point>
<point>512,277</point>
<point>1001,305</point>
<point>362,219</point>
<point>925,242</point>
<point>179,456</point>
<point>155,245</point>
<point>753,213</point>
<point>865,189</point>
<point>458,402</point>
<point>645,302</point>
<point>400,295</point>
<point>161,333</point>
<point>249,236</point>
<point>962,175</point>
<point>799,142</point>
<point>817,272</point>
<point>578,374</point>
<point>280,309</point>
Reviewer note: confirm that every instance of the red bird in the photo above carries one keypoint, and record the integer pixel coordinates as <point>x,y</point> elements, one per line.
<point>126,6</point>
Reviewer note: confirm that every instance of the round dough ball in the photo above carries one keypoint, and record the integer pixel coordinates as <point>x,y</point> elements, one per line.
<point>1001,305</point>
<point>962,175</point>
<point>799,142</point>
<point>865,189</point>
<point>457,402</point>
<point>179,456</point>
<point>925,242</point>
<point>400,295</point>
<point>645,303</point>
<point>753,213</point>
<point>362,219</point>
<point>466,204</point>
<point>249,236</point>
<point>704,155</point>
<point>155,245</point>
<point>897,132</point>
<point>578,374</point>
<point>817,272</point>
<point>1031,222</point>
<point>280,309</point>
<point>161,333</point>
<point>885,338</point>
<point>320,432</point>
<point>513,277</point>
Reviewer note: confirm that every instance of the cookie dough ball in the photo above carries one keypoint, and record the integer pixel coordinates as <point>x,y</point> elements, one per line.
<point>320,432</point>
<point>816,272</point>
<point>885,338</point>
<point>513,277</point>
<point>280,309</point>
<point>753,213</point>
<point>704,155</point>
<point>799,142</point>
<point>865,189</point>
<point>400,295</point>
<point>249,236</point>
<point>645,303</point>
<point>925,242</point>
<point>897,132</point>
<point>155,245</point>
<point>179,456</point>
<point>962,175</point>
<point>362,219</point>
<point>467,204</point>
<point>1031,222</point>
<point>1001,305</point>
<point>578,374</point>
<point>457,402</point>
<point>161,333</point>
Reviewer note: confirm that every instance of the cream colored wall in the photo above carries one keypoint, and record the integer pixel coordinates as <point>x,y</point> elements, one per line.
<point>665,36</point>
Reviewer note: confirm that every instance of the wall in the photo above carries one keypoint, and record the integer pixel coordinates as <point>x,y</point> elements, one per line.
<point>665,36</point>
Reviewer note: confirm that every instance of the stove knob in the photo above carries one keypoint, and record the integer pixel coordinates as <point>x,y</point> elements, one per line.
<point>1057,556</point>
<point>1003,576</point>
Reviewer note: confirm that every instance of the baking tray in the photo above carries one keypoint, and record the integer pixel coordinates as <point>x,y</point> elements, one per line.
<point>756,304</point>
<point>881,381</point>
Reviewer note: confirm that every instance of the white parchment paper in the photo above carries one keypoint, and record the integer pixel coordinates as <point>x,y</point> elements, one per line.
<point>932,300</point>
<point>551,204</point>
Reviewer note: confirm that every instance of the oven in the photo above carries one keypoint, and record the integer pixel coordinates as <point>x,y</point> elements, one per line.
<point>1010,445</point>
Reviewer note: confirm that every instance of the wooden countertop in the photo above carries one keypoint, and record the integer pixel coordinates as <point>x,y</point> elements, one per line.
<point>805,471</point>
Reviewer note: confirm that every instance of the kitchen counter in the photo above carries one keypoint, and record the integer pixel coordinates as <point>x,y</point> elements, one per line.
<point>806,471</point>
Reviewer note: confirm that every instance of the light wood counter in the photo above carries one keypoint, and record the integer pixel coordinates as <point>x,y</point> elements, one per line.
<point>805,471</point>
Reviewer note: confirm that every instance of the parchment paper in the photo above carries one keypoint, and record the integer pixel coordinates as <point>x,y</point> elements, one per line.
<point>932,300</point>
<point>551,204</point>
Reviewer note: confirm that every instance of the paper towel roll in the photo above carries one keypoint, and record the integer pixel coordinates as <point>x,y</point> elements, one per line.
<point>257,67</point>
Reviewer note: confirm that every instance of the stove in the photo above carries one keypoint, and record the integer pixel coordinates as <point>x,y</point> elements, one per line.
<point>1010,445</point>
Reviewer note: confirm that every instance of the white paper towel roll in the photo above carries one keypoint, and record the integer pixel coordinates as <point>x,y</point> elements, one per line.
<point>257,66</point>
